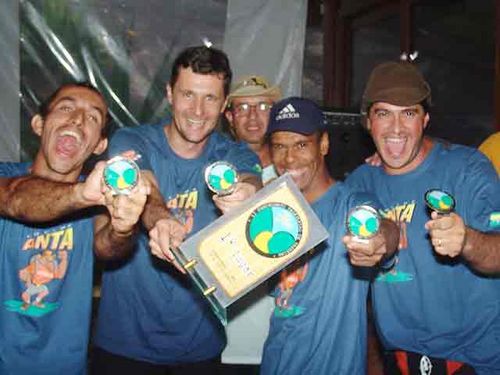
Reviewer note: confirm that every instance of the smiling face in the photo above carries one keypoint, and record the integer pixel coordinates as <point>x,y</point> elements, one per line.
<point>303,157</point>
<point>197,101</point>
<point>70,132</point>
<point>249,118</point>
<point>398,134</point>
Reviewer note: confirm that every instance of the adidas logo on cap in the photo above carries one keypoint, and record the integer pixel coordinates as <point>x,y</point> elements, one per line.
<point>287,112</point>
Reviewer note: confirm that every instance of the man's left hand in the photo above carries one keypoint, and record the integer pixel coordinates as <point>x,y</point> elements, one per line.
<point>241,192</point>
<point>447,233</point>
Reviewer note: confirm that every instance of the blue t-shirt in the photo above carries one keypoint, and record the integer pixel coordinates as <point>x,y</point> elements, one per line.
<point>319,323</point>
<point>148,310</point>
<point>430,304</point>
<point>46,293</point>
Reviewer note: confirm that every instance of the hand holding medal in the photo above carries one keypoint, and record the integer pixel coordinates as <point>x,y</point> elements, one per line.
<point>121,174</point>
<point>221,177</point>
<point>446,228</point>
<point>363,223</point>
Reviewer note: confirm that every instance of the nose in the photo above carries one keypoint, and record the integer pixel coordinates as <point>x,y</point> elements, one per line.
<point>289,157</point>
<point>398,124</point>
<point>77,117</point>
<point>252,111</point>
<point>198,107</point>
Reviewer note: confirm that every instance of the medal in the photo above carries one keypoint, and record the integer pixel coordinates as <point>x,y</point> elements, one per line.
<point>363,222</point>
<point>121,175</point>
<point>221,177</point>
<point>440,201</point>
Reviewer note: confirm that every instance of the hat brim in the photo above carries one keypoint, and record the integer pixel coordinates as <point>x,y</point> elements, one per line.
<point>400,96</point>
<point>272,92</point>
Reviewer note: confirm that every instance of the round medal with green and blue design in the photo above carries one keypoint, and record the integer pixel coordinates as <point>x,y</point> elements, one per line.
<point>121,175</point>
<point>221,177</point>
<point>440,201</point>
<point>363,222</point>
<point>274,230</point>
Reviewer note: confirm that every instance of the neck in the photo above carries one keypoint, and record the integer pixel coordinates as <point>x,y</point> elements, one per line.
<point>181,146</point>
<point>262,151</point>
<point>41,168</point>
<point>319,186</point>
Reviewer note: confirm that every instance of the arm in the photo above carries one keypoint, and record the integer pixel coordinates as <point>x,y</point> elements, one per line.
<point>451,237</point>
<point>35,199</point>
<point>165,231</point>
<point>115,229</point>
<point>377,249</point>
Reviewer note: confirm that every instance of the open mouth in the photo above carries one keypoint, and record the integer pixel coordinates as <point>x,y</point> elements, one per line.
<point>68,143</point>
<point>395,146</point>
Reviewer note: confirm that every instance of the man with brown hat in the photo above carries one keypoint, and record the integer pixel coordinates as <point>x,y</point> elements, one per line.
<point>435,309</point>
<point>249,104</point>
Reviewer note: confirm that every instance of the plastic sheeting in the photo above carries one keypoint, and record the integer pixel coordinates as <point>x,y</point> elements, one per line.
<point>267,38</point>
<point>9,76</point>
<point>126,49</point>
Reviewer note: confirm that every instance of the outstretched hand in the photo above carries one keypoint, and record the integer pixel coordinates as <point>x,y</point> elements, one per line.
<point>125,209</point>
<point>365,253</point>
<point>242,191</point>
<point>447,233</point>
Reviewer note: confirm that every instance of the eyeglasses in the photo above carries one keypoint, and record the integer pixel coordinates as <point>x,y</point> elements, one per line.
<point>244,109</point>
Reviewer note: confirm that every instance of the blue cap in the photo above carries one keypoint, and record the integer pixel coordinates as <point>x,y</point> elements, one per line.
<point>297,115</point>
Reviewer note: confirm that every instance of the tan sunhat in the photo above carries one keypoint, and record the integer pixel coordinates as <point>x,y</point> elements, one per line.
<point>254,86</point>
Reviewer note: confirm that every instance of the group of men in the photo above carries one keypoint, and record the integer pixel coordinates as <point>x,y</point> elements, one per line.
<point>435,295</point>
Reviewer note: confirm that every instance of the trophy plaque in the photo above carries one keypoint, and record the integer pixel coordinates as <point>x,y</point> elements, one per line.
<point>246,246</point>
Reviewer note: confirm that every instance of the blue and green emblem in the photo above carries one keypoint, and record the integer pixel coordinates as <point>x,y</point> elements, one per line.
<point>274,230</point>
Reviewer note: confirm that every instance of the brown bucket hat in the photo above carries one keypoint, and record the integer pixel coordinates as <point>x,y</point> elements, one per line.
<point>398,83</point>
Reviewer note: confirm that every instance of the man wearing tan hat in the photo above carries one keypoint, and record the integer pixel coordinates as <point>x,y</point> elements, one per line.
<point>249,104</point>
<point>436,309</point>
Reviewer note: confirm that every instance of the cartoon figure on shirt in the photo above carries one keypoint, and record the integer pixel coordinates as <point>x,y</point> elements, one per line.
<point>289,279</point>
<point>402,214</point>
<point>41,270</point>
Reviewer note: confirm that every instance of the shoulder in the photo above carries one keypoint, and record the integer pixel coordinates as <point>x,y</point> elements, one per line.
<point>464,158</point>
<point>238,153</point>
<point>222,142</point>
<point>139,138</point>
<point>361,175</point>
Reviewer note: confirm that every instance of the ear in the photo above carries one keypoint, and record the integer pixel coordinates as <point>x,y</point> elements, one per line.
<point>368,124</point>
<point>37,125</point>
<point>101,146</point>
<point>324,144</point>
<point>229,117</point>
<point>169,93</point>
<point>225,105</point>
<point>426,119</point>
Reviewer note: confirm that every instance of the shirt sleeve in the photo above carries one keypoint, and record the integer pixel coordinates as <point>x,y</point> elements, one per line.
<point>243,158</point>
<point>8,169</point>
<point>128,139</point>
<point>480,203</point>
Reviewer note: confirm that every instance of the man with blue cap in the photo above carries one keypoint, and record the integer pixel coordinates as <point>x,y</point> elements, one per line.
<point>319,321</point>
